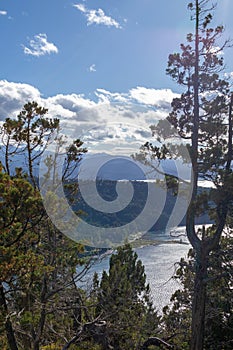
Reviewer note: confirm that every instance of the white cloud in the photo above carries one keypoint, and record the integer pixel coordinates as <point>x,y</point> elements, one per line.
<point>97,16</point>
<point>161,98</point>
<point>71,106</point>
<point>3,13</point>
<point>112,121</point>
<point>39,46</point>
<point>81,8</point>
<point>92,68</point>
<point>14,95</point>
<point>216,50</point>
<point>228,75</point>
<point>113,97</point>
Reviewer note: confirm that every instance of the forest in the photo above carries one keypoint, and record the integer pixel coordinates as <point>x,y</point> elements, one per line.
<point>42,306</point>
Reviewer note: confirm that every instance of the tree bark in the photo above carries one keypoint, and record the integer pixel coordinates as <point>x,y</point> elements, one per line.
<point>199,295</point>
<point>199,301</point>
<point>156,342</point>
<point>8,325</point>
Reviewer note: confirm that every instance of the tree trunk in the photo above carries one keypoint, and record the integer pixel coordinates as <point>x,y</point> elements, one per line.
<point>156,342</point>
<point>7,166</point>
<point>203,248</point>
<point>199,301</point>
<point>8,326</point>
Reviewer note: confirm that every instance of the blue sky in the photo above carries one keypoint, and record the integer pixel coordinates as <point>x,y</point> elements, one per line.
<point>114,45</point>
<point>73,56</point>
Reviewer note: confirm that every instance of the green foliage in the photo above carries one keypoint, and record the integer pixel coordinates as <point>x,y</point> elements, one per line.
<point>219,305</point>
<point>37,266</point>
<point>39,298</point>
<point>123,300</point>
<point>202,117</point>
<point>27,135</point>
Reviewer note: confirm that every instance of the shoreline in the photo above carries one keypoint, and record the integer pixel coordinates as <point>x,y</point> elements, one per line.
<point>140,242</point>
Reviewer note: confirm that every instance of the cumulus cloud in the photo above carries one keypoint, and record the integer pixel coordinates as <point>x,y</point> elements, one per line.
<point>112,121</point>
<point>97,16</point>
<point>14,95</point>
<point>116,138</point>
<point>161,98</point>
<point>71,107</point>
<point>39,46</point>
<point>17,94</point>
<point>114,97</point>
<point>3,13</point>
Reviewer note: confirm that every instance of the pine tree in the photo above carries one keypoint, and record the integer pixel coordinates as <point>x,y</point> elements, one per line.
<point>28,135</point>
<point>39,297</point>
<point>219,305</point>
<point>123,300</point>
<point>202,116</point>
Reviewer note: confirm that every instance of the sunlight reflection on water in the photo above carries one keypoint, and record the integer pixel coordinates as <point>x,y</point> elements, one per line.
<point>159,261</point>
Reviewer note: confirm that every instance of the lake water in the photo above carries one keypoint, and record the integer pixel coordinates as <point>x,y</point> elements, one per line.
<point>159,262</point>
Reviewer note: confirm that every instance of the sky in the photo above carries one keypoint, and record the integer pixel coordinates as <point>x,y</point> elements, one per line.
<point>87,61</point>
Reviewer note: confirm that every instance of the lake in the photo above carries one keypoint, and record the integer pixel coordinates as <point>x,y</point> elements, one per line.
<point>159,261</point>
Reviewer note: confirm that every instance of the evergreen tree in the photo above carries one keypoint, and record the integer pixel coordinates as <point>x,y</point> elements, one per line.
<point>20,211</point>
<point>202,116</point>
<point>39,298</point>
<point>28,135</point>
<point>123,300</point>
<point>219,304</point>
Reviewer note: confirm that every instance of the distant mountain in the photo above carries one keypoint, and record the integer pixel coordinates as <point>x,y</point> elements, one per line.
<point>105,171</point>
<point>126,214</point>
<point>15,161</point>
<point>102,166</point>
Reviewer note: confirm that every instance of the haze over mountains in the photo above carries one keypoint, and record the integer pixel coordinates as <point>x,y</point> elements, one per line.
<point>101,175</point>
<point>107,167</point>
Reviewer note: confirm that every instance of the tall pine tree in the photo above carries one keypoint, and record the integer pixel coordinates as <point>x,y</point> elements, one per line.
<point>202,116</point>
